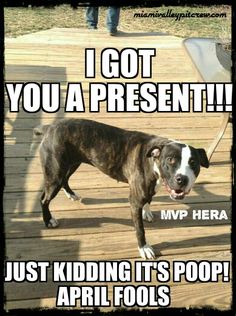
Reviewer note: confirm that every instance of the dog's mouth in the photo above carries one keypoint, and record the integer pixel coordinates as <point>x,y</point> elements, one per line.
<point>175,194</point>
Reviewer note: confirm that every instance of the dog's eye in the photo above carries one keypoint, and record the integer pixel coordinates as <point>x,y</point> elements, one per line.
<point>171,160</point>
<point>192,162</point>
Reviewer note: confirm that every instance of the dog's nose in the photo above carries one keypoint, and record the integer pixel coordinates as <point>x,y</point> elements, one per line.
<point>181,179</point>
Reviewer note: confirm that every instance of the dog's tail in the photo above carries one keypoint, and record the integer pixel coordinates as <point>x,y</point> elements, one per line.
<point>39,130</point>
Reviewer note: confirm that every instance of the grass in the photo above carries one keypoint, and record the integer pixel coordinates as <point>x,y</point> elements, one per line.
<point>19,21</point>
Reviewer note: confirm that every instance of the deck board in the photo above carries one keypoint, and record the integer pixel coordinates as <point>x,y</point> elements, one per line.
<point>100,226</point>
<point>91,219</point>
<point>82,247</point>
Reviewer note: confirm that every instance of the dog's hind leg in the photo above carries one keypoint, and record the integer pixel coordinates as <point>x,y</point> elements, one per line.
<point>54,177</point>
<point>51,190</point>
<point>68,192</point>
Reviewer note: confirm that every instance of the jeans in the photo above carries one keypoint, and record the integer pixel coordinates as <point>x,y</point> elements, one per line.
<point>112,21</point>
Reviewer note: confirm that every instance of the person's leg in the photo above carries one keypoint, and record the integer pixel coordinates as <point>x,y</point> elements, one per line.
<point>113,15</point>
<point>92,17</point>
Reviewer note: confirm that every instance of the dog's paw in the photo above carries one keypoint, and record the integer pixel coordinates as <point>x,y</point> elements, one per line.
<point>147,252</point>
<point>72,197</point>
<point>147,215</point>
<point>53,223</point>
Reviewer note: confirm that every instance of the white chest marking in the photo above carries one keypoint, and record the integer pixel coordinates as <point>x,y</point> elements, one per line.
<point>157,171</point>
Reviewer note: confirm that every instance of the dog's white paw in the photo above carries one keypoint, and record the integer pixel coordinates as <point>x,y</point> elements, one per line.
<point>147,215</point>
<point>147,252</point>
<point>53,223</point>
<point>72,197</point>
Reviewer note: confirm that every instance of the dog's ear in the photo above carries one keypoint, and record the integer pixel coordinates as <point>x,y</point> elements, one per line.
<point>154,152</point>
<point>203,158</point>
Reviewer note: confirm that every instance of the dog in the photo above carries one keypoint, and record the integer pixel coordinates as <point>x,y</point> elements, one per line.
<point>133,157</point>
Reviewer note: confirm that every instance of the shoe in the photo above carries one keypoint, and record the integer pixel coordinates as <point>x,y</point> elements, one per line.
<point>113,32</point>
<point>92,27</point>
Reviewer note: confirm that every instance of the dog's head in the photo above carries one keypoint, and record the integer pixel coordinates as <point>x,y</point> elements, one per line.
<point>178,165</point>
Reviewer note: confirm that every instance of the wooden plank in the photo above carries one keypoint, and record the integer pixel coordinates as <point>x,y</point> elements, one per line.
<point>158,42</point>
<point>66,58</point>
<point>179,240</point>
<point>126,122</point>
<point>103,114</point>
<point>26,136</point>
<point>74,65</point>
<point>72,73</point>
<point>206,295</point>
<point>24,121</point>
<point>38,44</point>
<point>57,53</point>
<point>72,70</point>
<point>76,35</point>
<point>63,76</point>
<point>21,43</point>
<point>99,220</point>
<point>80,36</point>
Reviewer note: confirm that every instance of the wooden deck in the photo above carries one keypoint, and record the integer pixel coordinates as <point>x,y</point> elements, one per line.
<point>100,227</point>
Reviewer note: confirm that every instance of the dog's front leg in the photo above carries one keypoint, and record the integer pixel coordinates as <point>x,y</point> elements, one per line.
<point>145,250</point>
<point>146,213</point>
